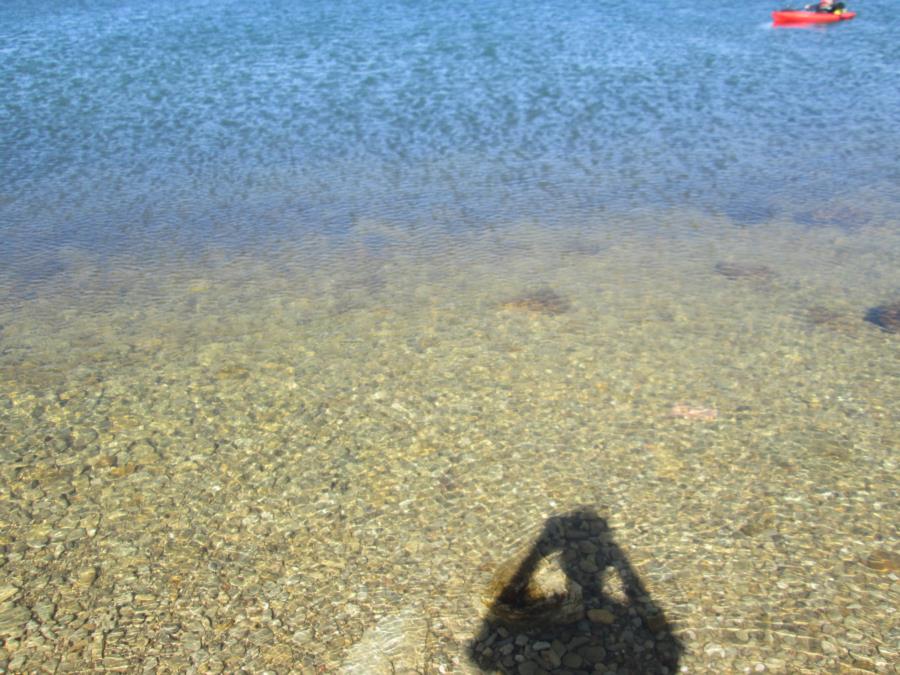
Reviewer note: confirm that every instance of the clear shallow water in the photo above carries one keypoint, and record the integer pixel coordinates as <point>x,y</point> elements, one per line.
<point>315,319</point>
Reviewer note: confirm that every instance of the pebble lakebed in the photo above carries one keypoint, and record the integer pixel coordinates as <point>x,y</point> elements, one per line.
<point>325,470</point>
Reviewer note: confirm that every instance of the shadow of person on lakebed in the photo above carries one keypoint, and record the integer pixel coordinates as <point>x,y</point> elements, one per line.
<point>573,602</point>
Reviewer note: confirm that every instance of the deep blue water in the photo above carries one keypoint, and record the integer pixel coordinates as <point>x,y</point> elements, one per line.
<point>128,123</point>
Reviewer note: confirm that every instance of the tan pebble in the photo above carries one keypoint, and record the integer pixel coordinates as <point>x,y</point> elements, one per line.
<point>86,577</point>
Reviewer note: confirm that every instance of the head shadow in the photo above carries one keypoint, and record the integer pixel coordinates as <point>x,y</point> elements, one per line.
<point>570,603</point>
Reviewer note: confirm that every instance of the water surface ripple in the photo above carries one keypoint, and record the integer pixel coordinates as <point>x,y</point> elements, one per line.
<point>180,115</point>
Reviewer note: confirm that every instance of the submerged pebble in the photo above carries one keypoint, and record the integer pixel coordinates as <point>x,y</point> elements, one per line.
<point>345,499</point>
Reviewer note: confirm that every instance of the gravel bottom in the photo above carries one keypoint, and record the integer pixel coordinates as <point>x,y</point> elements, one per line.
<point>517,454</point>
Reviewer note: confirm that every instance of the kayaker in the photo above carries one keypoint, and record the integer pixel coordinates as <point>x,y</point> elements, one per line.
<point>827,6</point>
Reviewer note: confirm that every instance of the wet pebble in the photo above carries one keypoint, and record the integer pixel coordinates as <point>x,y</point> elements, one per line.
<point>603,616</point>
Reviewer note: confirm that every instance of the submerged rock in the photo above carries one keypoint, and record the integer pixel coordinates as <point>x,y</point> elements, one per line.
<point>687,411</point>
<point>540,301</point>
<point>392,645</point>
<point>833,216</point>
<point>884,561</point>
<point>738,270</point>
<point>820,316</point>
<point>546,596</point>
<point>750,212</point>
<point>886,317</point>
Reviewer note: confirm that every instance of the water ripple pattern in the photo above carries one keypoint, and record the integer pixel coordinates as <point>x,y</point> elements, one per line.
<point>192,119</point>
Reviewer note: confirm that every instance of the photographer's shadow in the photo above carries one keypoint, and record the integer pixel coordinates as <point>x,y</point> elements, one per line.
<point>570,604</point>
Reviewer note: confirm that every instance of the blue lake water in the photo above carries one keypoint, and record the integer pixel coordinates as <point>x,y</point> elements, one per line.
<point>127,124</point>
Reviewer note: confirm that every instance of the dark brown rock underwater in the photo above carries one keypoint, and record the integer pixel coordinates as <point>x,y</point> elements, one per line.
<point>886,317</point>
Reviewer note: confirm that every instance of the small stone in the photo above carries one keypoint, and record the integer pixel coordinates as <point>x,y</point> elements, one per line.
<point>713,649</point>
<point>655,622</point>
<point>572,660</point>
<point>530,668</point>
<point>828,647</point>
<point>601,616</point>
<point>191,643</point>
<point>7,592</point>
<point>302,636</point>
<point>44,611</point>
<point>699,413</point>
<point>551,658</point>
<point>742,636</point>
<point>540,646</point>
<point>86,577</point>
<point>75,534</point>
<point>89,523</point>
<point>592,653</point>
<point>588,565</point>
<point>740,270</point>
<point>884,561</point>
<point>263,636</point>
<point>38,538</point>
<point>12,621</point>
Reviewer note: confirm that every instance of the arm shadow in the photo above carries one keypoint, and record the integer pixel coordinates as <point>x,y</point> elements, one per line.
<point>573,604</point>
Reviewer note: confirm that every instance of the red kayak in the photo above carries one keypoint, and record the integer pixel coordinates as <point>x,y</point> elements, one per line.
<point>795,17</point>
